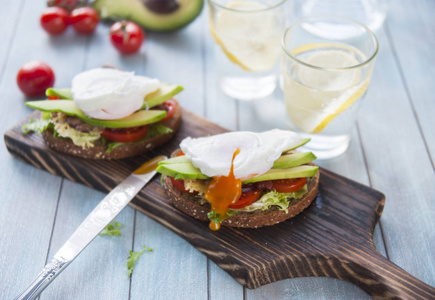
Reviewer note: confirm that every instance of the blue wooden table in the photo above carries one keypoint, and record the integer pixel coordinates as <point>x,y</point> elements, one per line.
<point>392,150</point>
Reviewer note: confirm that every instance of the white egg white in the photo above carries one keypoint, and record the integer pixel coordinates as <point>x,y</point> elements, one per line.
<point>109,94</point>
<point>213,154</point>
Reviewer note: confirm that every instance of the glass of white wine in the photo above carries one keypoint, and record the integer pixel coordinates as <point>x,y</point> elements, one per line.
<point>327,66</point>
<point>247,35</point>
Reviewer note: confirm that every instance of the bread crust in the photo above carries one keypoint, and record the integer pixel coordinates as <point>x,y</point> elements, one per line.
<point>190,205</point>
<point>99,151</point>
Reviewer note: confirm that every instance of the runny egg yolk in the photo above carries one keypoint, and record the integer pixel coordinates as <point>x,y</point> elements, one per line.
<point>223,191</point>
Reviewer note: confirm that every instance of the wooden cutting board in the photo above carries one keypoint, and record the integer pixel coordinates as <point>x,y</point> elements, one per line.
<point>333,237</point>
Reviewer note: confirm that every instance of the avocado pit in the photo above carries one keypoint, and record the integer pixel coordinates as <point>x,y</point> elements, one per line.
<point>161,6</point>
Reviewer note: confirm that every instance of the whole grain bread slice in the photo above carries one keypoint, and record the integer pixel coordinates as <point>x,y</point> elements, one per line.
<point>99,151</point>
<point>191,205</point>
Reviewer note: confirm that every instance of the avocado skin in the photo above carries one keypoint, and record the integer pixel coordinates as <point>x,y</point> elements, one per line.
<point>139,118</point>
<point>181,168</point>
<point>137,12</point>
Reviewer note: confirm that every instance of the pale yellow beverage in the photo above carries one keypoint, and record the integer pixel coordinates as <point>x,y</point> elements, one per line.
<point>326,67</point>
<point>247,34</point>
<point>325,100</point>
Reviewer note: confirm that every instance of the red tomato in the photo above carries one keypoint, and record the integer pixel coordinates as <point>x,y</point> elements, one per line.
<point>170,107</point>
<point>126,37</point>
<point>53,98</point>
<point>54,20</point>
<point>125,135</point>
<point>247,198</point>
<point>289,185</point>
<point>34,78</point>
<point>84,19</point>
<point>179,184</point>
<point>181,153</point>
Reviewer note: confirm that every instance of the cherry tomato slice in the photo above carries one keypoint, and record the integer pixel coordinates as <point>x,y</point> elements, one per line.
<point>53,98</point>
<point>54,20</point>
<point>84,19</point>
<point>181,153</point>
<point>179,184</point>
<point>170,107</point>
<point>289,185</point>
<point>125,135</point>
<point>247,198</point>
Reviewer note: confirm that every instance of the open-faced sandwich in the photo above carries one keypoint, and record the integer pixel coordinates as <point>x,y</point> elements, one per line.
<point>107,114</point>
<point>241,179</point>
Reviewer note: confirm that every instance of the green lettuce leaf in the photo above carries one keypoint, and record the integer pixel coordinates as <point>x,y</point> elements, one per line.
<point>134,256</point>
<point>36,125</point>
<point>217,218</point>
<point>273,198</point>
<point>114,229</point>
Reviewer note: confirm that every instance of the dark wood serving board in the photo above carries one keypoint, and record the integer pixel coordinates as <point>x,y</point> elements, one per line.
<point>333,237</point>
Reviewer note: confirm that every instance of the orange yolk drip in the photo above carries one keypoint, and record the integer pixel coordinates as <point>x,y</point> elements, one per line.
<point>223,191</point>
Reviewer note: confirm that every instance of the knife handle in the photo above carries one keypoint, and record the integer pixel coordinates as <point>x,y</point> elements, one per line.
<point>50,271</point>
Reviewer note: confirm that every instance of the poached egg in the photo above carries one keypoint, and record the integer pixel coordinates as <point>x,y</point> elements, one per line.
<point>232,157</point>
<point>213,154</point>
<point>109,94</point>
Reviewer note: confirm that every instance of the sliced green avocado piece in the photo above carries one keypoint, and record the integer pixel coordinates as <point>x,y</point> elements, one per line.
<point>158,15</point>
<point>293,160</point>
<point>296,172</point>
<point>164,93</point>
<point>139,118</point>
<point>181,171</point>
<point>301,143</point>
<point>176,160</point>
<point>61,93</point>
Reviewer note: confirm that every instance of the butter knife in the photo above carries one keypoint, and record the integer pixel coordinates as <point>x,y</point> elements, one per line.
<point>99,218</point>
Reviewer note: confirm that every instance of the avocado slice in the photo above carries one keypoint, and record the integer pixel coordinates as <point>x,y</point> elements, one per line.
<point>176,160</point>
<point>295,172</point>
<point>164,93</point>
<point>157,15</point>
<point>181,171</point>
<point>139,118</point>
<point>64,93</point>
<point>293,160</point>
<point>301,143</point>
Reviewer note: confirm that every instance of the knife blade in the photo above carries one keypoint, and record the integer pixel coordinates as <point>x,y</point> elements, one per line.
<point>94,223</point>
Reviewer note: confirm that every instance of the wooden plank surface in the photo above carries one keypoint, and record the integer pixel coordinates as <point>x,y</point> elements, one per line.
<point>403,73</point>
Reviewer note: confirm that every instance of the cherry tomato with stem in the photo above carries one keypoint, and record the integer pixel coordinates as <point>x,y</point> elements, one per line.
<point>247,198</point>
<point>125,135</point>
<point>126,37</point>
<point>34,78</point>
<point>84,19</point>
<point>289,185</point>
<point>54,20</point>
<point>170,107</point>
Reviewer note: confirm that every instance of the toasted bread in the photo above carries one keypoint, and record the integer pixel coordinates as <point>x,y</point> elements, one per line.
<point>191,205</point>
<point>99,151</point>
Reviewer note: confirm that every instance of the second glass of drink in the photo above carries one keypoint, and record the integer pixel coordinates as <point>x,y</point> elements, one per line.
<point>247,35</point>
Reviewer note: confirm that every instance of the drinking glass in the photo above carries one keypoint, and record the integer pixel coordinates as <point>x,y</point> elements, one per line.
<point>327,66</point>
<point>247,35</point>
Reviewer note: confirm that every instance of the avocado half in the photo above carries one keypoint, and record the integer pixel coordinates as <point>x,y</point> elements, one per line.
<point>157,15</point>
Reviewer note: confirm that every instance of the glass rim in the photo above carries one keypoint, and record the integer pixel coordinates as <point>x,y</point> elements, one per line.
<point>368,60</point>
<point>247,11</point>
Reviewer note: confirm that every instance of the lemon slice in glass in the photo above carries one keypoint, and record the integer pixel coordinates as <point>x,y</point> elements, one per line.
<point>248,34</point>
<point>317,96</point>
